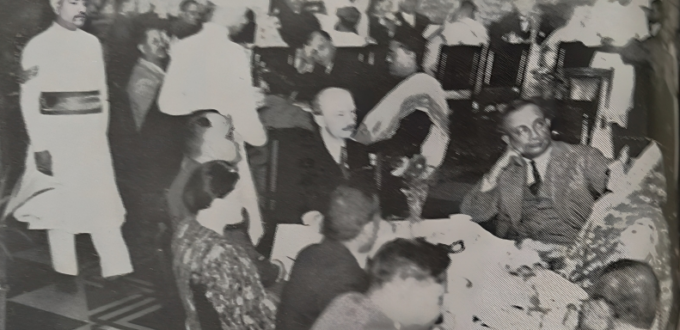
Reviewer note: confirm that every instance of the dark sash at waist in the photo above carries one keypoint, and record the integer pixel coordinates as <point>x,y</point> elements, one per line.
<point>70,103</point>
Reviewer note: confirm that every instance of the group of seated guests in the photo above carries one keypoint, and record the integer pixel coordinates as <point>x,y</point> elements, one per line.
<point>539,193</point>
<point>339,283</point>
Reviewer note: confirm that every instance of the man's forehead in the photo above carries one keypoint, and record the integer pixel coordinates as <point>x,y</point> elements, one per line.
<point>526,114</point>
<point>336,101</point>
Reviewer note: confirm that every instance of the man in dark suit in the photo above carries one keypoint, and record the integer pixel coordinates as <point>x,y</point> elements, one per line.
<point>317,161</point>
<point>408,17</point>
<point>331,67</point>
<point>296,22</point>
<point>312,163</point>
<point>540,190</point>
<point>336,265</point>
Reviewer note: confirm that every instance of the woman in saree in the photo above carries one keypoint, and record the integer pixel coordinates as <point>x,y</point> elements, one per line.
<point>627,223</point>
<point>408,129</point>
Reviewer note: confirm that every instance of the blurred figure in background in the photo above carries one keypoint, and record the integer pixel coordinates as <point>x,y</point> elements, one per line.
<point>408,282</point>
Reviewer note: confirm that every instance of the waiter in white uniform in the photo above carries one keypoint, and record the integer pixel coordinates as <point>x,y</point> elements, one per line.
<point>68,185</point>
<point>607,20</point>
<point>209,71</point>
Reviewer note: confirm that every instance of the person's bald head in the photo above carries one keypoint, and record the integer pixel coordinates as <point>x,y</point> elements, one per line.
<point>631,289</point>
<point>334,110</point>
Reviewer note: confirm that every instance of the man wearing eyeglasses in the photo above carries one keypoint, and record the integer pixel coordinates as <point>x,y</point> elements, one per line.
<point>540,192</point>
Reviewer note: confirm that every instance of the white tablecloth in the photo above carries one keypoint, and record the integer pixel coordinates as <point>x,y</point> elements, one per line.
<point>479,281</point>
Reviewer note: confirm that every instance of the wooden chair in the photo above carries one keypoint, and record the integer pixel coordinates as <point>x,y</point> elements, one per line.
<point>504,73</point>
<point>459,70</point>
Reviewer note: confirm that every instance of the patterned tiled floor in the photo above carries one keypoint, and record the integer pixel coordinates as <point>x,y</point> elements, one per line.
<point>134,303</point>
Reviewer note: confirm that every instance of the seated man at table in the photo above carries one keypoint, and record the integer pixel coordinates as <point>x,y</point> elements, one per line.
<point>460,28</point>
<point>296,23</point>
<point>625,297</point>
<point>329,67</point>
<point>336,265</point>
<point>540,189</point>
<point>408,17</point>
<point>313,163</point>
<point>408,282</point>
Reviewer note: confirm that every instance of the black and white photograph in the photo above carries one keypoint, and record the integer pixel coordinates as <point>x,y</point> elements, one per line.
<point>339,164</point>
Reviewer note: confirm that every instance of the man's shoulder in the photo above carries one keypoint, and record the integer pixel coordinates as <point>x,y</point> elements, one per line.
<point>573,151</point>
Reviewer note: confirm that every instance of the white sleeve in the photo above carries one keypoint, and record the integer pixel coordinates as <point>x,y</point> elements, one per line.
<point>247,124</point>
<point>30,100</point>
<point>434,147</point>
<point>173,97</point>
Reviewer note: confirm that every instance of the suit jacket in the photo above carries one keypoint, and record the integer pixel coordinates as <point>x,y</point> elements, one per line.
<point>422,22</point>
<point>575,178</point>
<point>321,272</point>
<point>307,174</point>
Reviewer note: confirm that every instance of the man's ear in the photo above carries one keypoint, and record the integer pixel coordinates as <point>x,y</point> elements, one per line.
<point>548,122</point>
<point>506,139</point>
<point>141,49</point>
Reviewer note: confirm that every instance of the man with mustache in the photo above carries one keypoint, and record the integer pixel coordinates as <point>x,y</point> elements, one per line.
<point>312,164</point>
<point>69,174</point>
<point>540,192</point>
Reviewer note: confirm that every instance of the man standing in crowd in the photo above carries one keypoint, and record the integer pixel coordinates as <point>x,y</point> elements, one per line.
<point>189,21</point>
<point>460,28</point>
<point>336,265</point>
<point>69,173</point>
<point>209,71</point>
<point>541,190</point>
<point>408,282</point>
<point>147,75</point>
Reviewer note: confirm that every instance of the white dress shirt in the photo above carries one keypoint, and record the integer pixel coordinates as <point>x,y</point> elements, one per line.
<point>542,162</point>
<point>332,144</point>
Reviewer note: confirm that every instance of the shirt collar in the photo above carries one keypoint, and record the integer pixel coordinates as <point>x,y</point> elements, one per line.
<point>332,144</point>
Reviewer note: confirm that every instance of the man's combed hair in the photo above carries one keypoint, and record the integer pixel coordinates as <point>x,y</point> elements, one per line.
<point>352,206</point>
<point>519,104</point>
<point>409,258</point>
<point>210,181</point>
<point>632,290</point>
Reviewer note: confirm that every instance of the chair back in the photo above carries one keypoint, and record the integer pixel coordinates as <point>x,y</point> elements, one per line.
<point>506,65</point>
<point>459,67</point>
<point>574,54</point>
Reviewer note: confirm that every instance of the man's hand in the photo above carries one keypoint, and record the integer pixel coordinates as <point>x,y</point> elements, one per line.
<point>43,161</point>
<point>491,179</point>
<point>312,218</point>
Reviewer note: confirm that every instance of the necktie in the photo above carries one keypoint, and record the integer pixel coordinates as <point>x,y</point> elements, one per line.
<point>537,179</point>
<point>343,162</point>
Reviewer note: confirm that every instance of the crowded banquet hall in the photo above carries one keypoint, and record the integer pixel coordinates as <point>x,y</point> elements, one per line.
<point>389,164</point>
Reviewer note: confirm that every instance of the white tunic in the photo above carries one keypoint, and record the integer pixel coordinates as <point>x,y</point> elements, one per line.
<point>84,198</point>
<point>209,71</point>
